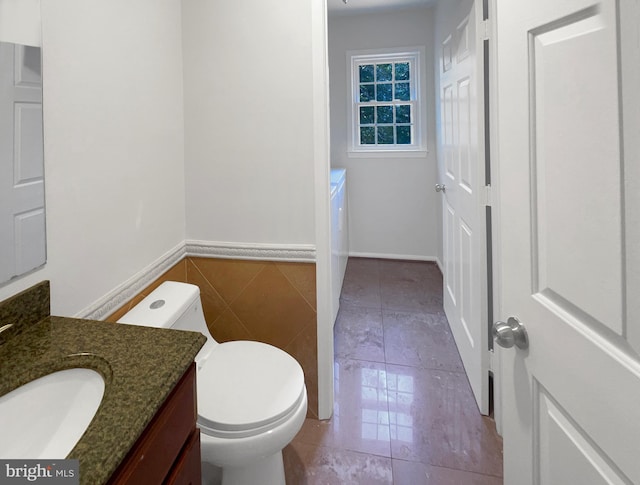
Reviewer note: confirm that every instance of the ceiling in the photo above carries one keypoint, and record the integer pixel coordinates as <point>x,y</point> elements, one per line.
<point>337,7</point>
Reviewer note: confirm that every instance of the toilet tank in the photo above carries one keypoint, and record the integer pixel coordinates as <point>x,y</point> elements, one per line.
<point>177,306</point>
<point>171,305</point>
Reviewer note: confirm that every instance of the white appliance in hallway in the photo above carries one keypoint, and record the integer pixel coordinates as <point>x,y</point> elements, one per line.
<point>568,121</point>
<point>461,160</point>
<point>339,235</point>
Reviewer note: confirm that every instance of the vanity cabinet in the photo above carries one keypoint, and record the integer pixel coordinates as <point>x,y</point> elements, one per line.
<point>168,451</point>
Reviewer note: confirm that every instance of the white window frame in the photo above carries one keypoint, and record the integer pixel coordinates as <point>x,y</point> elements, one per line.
<point>415,56</point>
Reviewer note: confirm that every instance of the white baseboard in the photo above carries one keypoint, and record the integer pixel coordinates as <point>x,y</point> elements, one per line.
<point>121,294</point>
<point>254,251</point>
<point>408,257</point>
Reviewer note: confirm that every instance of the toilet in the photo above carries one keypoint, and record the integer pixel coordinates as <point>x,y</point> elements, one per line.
<point>252,399</point>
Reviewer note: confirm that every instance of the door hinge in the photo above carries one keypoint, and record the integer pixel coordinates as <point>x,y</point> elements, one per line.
<point>485,29</point>
<point>487,196</point>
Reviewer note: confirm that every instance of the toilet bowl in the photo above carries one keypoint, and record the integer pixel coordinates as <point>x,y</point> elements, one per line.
<point>252,399</point>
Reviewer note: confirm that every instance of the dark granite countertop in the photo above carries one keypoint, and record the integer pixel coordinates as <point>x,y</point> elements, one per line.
<point>140,366</point>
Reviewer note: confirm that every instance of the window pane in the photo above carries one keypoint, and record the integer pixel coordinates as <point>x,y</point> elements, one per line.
<point>402,91</point>
<point>366,73</point>
<point>384,72</point>
<point>385,114</point>
<point>368,135</point>
<point>403,135</point>
<point>366,115</point>
<point>385,135</point>
<point>384,92</point>
<point>403,113</point>
<point>402,71</point>
<point>384,105</point>
<point>367,92</point>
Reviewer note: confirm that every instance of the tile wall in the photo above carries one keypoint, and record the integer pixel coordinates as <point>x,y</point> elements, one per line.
<point>265,301</point>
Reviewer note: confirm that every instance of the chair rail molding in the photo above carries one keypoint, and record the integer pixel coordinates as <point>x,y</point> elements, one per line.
<point>124,292</point>
<point>255,251</point>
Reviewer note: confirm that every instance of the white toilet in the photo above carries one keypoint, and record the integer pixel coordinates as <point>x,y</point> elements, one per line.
<point>251,396</point>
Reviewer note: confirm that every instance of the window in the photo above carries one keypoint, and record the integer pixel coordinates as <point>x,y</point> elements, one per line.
<point>385,112</point>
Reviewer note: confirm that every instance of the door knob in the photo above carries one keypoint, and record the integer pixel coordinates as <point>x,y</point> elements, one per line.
<point>440,187</point>
<point>510,333</point>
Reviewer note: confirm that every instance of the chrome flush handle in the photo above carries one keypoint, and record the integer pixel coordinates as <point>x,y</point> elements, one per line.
<point>510,333</point>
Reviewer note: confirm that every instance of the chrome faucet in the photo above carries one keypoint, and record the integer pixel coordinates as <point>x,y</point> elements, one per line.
<point>3,329</point>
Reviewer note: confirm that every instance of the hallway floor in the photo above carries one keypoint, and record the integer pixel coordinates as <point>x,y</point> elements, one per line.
<point>404,412</point>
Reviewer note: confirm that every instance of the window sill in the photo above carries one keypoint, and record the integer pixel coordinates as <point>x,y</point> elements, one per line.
<point>387,154</point>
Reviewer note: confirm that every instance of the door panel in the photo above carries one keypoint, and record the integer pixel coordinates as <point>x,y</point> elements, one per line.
<point>463,47</point>
<point>465,137</point>
<point>447,50</point>
<point>463,219</point>
<point>572,147</point>
<point>28,158</point>
<point>447,127</point>
<point>450,273</point>
<point>466,305</point>
<point>558,435</point>
<point>29,250</point>
<point>570,401</point>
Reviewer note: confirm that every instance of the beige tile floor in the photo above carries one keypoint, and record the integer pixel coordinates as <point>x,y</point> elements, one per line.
<point>403,411</point>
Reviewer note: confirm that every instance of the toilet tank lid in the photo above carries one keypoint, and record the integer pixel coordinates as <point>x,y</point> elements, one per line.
<point>163,306</point>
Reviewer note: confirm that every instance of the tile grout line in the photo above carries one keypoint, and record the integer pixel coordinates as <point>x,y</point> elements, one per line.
<point>264,266</point>
<point>209,283</point>
<point>380,309</point>
<point>295,287</point>
<point>227,305</point>
<point>450,468</point>
<point>386,371</point>
<point>386,377</point>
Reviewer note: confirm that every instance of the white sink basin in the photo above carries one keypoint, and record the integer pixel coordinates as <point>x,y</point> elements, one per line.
<point>46,417</point>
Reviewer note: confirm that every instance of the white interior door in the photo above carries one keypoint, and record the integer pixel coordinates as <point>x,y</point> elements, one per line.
<point>568,111</point>
<point>462,163</point>
<point>22,219</point>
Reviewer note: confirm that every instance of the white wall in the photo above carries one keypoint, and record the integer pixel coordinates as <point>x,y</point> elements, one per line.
<point>20,22</point>
<point>393,208</point>
<point>249,121</point>
<point>114,149</point>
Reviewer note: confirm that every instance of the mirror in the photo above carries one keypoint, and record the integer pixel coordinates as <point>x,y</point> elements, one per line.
<point>22,214</point>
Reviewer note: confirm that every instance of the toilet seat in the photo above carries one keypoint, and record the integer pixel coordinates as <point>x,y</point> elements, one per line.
<point>236,385</point>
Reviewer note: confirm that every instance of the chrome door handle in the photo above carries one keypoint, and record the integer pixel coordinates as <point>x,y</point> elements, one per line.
<point>440,187</point>
<point>510,333</point>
